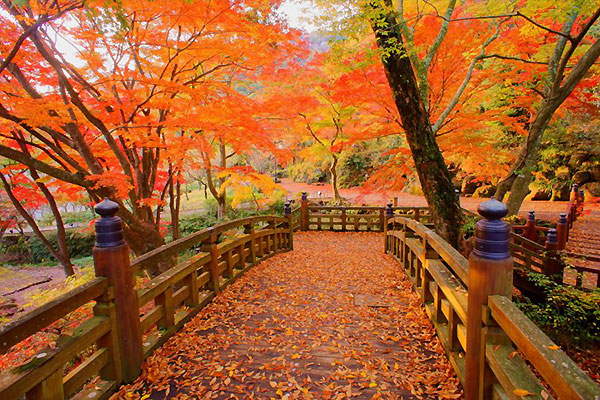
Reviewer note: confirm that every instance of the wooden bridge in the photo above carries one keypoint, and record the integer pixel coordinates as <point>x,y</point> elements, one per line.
<point>334,318</point>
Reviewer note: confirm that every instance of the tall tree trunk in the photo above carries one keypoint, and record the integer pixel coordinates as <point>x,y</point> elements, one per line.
<point>61,234</point>
<point>174,205</point>
<point>519,178</point>
<point>60,257</point>
<point>215,187</point>
<point>334,176</point>
<point>430,165</point>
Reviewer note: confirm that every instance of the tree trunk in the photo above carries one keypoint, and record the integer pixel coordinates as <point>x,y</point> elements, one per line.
<point>334,177</point>
<point>61,234</point>
<point>220,197</point>
<point>520,176</point>
<point>430,165</point>
<point>57,254</point>
<point>174,206</point>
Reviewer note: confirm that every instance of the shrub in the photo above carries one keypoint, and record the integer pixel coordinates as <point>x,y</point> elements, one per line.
<point>193,223</point>
<point>79,245</point>
<point>468,227</point>
<point>69,217</point>
<point>569,315</point>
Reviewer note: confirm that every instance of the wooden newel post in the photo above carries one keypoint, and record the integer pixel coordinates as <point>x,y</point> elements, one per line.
<point>554,266</point>
<point>111,260</point>
<point>574,192</point>
<point>287,211</point>
<point>581,201</point>
<point>562,231</point>
<point>490,272</point>
<point>389,214</point>
<point>530,231</point>
<point>304,212</point>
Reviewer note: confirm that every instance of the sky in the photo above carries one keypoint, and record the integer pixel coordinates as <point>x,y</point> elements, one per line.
<point>298,14</point>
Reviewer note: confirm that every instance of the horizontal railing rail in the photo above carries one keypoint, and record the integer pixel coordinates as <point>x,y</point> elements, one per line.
<point>47,374</point>
<point>321,217</point>
<point>128,322</point>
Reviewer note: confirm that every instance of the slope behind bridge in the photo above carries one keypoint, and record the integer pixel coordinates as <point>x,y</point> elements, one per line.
<point>335,318</point>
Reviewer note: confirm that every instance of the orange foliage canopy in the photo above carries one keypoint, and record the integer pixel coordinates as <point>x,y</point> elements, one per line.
<point>149,86</point>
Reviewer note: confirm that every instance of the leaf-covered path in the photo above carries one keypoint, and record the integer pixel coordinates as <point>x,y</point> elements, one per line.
<point>334,319</point>
<point>584,239</point>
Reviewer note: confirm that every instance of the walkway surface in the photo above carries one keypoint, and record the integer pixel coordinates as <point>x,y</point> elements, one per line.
<point>334,319</point>
<point>584,238</point>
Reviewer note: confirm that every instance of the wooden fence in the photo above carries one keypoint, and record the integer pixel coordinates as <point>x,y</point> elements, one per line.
<point>495,349</point>
<point>130,322</point>
<point>318,217</point>
<point>540,249</point>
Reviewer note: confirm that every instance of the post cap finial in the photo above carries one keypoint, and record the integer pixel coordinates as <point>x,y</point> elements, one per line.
<point>304,196</point>
<point>551,236</point>
<point>106,208</point>
<point>531,216</point>
<point>491,232</point>
<point>492,209</point>
<point>287,210</point>
<point>562,219</point>
<point>109,231</point>
<point>388,209</point>
<point>575,186</point>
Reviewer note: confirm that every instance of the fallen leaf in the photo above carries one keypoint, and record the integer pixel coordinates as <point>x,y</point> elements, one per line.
<point>523,392</point>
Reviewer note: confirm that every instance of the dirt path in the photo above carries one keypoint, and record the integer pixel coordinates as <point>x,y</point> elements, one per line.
<point>335,318</point>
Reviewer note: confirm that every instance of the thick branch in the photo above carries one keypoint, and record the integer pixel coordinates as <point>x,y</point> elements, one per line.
<point>441,35</point>
<point>76,179</point>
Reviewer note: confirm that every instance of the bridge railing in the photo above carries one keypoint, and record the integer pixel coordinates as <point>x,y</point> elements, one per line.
<point>130,321</point>
<point>46,375</point>
<point>319,217</point>
<point>496,351</point>
<point>541,249</point>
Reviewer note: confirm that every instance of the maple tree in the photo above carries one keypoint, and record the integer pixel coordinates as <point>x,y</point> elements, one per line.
<point>154,84</point>
<point>570,51</point>
<point>459,59</point>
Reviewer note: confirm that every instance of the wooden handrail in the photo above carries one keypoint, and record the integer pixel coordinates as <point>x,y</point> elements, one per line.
<point>39,318</point>
<point>562,374</point>
<point>12,386</point>
<point>456,261</point>
<point>116,330</point>
<point>171,249</point>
